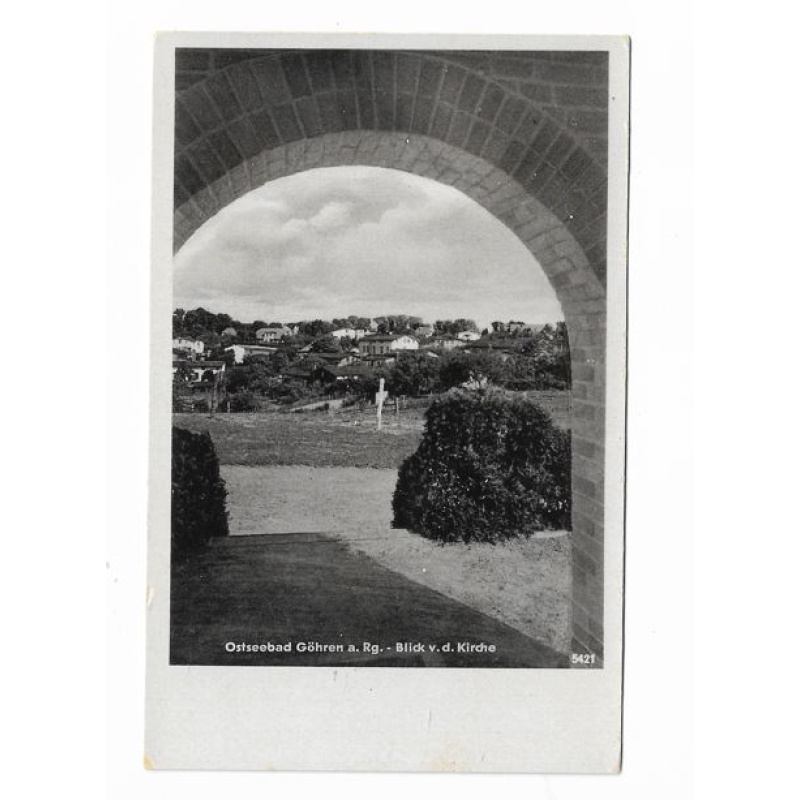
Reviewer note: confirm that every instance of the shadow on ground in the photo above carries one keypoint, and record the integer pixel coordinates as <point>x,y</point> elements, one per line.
<point>307,588</point>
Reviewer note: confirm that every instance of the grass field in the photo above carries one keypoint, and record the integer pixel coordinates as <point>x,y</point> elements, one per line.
<point>318,439</point>
<point>313,439</point>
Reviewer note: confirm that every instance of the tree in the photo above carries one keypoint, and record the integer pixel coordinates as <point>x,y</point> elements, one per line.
<point>459,367</point>
<point>414,373</point>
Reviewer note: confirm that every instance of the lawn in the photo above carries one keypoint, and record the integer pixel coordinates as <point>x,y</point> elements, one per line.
<point>318,439</point>
<point>314,439</point>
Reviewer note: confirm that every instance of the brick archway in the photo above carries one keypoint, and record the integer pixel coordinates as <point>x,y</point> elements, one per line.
<point>246,117</point>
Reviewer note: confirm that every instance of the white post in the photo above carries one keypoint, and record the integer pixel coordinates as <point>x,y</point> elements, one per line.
<point>380,396</point>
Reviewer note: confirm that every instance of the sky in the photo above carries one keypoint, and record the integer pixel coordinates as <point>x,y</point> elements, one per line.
<point>360,240</point>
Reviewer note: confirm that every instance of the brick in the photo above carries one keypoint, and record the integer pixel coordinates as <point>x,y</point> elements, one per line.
<point>384,107</point>
<point>423,111</point>
<point>407,67</point>
<point>346,101</point>
<point>510,67</point>
<point>187,175</point>
<point>490,103</point>
<point>265,129</point>
<point>271,80</point>
<point>226,58</point>
<point>329,114</point>
<point>362,69</point>
<point>287,123</point>
<point>320,72</point>
<point>581,95</point>
<point>430,77</point>
<point>367,114</point>
<point>383,70</point>
<point>496,146</point>
<point>294,70</point>
<point>538,92</point>
<point>441,122</point>
<point>576,164</point>
<point>240,179</point>
<point>221,92</point>
<point>583,524</point>
<point>309,116</point>
<point>566,73</point>
<point>192,59</point>
<point>225,148</point>
<point>471,93</point>
<point>244,137</point>
<point>588,121</point>
<point>512,156</point>
<point>404,109</point>
<point>531,125</point>
<point>198,103</point>
<point>451,84</point>
<point>477,137</point>
<point>206,160</point>
<point>510,114</point>
<point>246,87</point>
<point>183,80</point>
<point>343,70</point>
<point>558,151</point>
<point>186,129</point>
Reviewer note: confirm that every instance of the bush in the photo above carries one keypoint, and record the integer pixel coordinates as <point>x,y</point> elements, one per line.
<point>198,493</point>
<point>244,400</point>
<point>489,467</point>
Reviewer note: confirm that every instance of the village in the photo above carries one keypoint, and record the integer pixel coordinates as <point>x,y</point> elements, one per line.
<point>223,365</point>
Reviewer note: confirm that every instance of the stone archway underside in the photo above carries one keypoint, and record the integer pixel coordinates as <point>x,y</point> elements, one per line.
<point>554,231</point>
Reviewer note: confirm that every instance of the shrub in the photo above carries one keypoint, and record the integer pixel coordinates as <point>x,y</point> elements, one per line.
<point>489,467</point>
<point>198,493</point>
<point>244,400</point>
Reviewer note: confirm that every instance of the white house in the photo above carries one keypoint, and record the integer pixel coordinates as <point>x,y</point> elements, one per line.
<point>188,345</point>
<point>468,336</point>
<point>241,351</point>
<point>350,333</point>
<point>272,333</point>
<point>379,343</point>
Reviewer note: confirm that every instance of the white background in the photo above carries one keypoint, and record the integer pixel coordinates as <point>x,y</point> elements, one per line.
<point>711,660</point>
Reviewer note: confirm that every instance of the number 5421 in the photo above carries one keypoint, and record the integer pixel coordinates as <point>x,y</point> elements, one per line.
<point>584,659</point>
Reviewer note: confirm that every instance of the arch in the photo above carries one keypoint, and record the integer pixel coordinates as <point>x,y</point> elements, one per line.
<point>269,116</point>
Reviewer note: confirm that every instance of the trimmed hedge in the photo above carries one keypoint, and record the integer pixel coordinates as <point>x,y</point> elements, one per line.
<point>490,466</point>
<point>198,493</point>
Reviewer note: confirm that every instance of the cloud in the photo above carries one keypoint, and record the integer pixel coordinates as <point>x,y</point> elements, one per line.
<point>336,241</point>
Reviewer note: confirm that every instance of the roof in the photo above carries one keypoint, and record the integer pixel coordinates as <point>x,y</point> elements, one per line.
<point>385,337</point>
<point>359,368</point>
<point>199,364</point>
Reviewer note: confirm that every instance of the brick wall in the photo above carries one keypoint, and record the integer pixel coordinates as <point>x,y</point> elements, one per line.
<point>522,134</point>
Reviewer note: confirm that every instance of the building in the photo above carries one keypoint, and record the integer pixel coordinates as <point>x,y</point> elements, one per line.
<point>381,343</point>
<point>194,346</point>
<point>349,333</point>
<point>446,342</point>
<point>242,351</point>
<point>272,333</point>
<point>195,370</point>
<point>468,336</point>
<point>423,331</point>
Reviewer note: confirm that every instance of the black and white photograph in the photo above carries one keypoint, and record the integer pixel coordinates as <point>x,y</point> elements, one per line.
<point>388,401</point>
